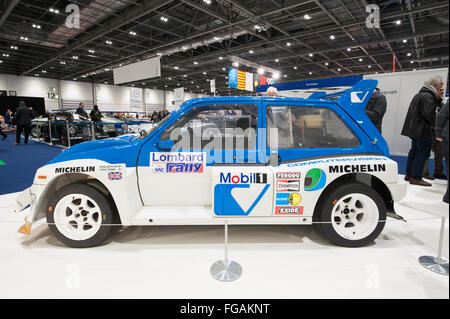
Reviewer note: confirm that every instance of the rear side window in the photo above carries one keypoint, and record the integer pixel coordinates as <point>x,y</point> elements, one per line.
<point>307,127</point>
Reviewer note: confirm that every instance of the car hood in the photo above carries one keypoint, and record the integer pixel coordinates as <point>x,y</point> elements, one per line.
<point>113,150</point>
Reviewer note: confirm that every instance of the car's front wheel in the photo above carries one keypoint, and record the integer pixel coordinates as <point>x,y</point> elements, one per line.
<point>352,215</point>
<point>80,216</point>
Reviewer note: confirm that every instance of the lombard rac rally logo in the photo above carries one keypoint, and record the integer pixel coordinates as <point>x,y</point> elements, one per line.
<point>315,179</point>
<point>178,162</point>
<point>355,98</point>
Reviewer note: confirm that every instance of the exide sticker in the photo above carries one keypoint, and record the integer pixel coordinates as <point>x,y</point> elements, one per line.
<point>289,210</point>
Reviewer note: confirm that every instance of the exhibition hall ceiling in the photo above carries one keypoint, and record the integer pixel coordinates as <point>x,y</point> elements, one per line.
<point>199,40</point>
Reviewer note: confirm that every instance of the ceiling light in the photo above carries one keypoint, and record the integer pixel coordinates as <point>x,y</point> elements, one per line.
<point>277,60</point>
<point>132,33</point>
<point>257,27</point>
<point>176,68</point>
<point>108,42</point>
<point>398,22</point>
<point>326,63</point>
<point>409,54</point>
<point>251,51</point>
<point>310,73</point>
<point>360,60</point>
<point>106,82</point>
<point>36,74</point>
<point>332,37</point>
<point>261,71</point>
<point>220,58</point>
<point>289,44</point>
<point>207,1</point>
<point>6,55</point>
<point>62,62</point>
<point>1,61</point>
<point>339,70</point>
<point>164,19</point>
<point>412,62</point>
<point>13,47</point>
<point>43,71</point>
<point>56,11</point>
<point>349,49</point>
<point>185,75</point>
<point>285,76</point>
<point>369,66</point>
<point>306,17</point>
<point>224,69</point>
<point>185,48</point>
<point>91,51</point>
<point>170,79</point>
<point>36,26</point>
<point>195,62</point>
<point>276,76</point>
<point>295,68</point>
<point>204,73</point>
<point>24,38</point>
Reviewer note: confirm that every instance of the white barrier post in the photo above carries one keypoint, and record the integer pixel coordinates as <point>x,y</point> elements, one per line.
<point>226,270</point>
<point>437,264</point>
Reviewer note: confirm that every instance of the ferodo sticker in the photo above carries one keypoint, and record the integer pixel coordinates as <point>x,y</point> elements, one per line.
<point>178,162</point>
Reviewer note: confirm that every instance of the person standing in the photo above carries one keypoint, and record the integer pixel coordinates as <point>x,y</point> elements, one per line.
<point>436,148</point>
<point>376,108</point>
<point>443,137</point>
<point>418,125</point>
<point>96,115</point>
<point>8,118</point>
<point>23,118</point>
<point>82,112</point>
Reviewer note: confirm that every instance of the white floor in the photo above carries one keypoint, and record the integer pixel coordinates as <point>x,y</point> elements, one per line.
<point>277,261</point>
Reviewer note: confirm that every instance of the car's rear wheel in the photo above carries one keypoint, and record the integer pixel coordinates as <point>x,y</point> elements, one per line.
<point>352,215</point>
<point>80,216</point>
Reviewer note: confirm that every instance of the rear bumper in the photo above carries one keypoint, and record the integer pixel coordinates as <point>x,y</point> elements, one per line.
<point>398,189</point>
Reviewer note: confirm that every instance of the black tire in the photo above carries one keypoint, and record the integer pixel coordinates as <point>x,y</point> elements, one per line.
<point>332,198</point>
<point>107,215</point>
<point>35,131</point>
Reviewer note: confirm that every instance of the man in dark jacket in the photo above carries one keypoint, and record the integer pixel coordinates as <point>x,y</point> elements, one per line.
<point>376,108</point>
<point>443,136</point>
<point>418,125</point>
<point>23,118</point>
<point>82,112</point>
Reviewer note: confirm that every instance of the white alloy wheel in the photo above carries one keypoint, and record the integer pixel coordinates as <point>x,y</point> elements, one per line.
<point>355,216</point>
<point>77,217</point>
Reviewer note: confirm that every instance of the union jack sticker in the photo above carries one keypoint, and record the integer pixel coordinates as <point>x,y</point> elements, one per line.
<point>114,176</point>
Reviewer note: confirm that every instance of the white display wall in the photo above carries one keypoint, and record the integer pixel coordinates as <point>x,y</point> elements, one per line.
<point>71,93</point>
<point>399,89</point>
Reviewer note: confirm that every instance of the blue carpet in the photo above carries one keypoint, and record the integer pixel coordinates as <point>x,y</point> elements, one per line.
<point>22,161</point>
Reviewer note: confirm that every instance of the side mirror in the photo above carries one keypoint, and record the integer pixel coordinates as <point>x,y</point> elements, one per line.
<point>165,145</point>
<point>274,159</point>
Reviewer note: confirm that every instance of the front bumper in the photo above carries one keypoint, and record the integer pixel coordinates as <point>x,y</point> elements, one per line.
<point>25,199</point>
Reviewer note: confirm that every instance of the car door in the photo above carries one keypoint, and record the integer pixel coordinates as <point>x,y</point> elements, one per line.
<point>196,159</point>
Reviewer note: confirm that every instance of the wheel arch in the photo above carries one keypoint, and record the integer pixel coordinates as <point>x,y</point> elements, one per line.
<point>73,178</point>
<point>367,179</point>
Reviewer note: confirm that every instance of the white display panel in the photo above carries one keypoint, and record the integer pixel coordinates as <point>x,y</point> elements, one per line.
<point>138,71</point>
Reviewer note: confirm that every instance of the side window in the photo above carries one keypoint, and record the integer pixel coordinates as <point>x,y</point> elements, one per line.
<point>219,126</point>
<point>307,127</point>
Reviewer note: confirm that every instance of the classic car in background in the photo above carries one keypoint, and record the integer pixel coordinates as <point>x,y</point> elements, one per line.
<point>79,129</point>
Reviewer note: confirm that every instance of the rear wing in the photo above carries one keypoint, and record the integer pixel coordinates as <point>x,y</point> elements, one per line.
<point>356,97</point>
<point>359,95</point>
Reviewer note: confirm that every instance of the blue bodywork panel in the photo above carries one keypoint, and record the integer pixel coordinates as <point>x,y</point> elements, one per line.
<point>350,106</point>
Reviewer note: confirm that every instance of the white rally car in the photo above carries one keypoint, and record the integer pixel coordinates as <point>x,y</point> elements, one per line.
<point>249,160</point>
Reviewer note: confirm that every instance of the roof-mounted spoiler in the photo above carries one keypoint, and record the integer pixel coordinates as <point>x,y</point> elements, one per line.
<point>356,97</point>
<point>359,95</point>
